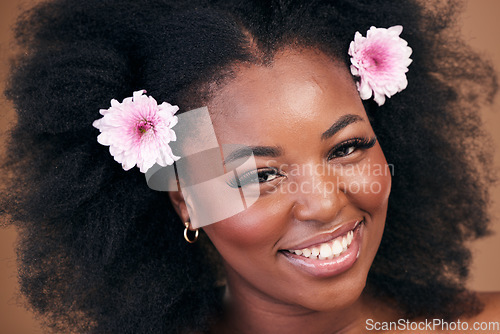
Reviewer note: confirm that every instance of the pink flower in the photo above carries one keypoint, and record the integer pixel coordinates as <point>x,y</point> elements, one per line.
<point>138,131</point>
<point>381,60</point>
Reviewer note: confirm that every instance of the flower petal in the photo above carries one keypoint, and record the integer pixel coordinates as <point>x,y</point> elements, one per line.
<point>138,131</point>
<point>380,60</point>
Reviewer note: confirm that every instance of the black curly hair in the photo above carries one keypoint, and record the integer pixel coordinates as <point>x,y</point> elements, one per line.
<point>100,252</point>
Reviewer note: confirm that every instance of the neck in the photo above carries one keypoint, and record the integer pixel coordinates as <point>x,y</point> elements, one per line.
<point>248,311</point>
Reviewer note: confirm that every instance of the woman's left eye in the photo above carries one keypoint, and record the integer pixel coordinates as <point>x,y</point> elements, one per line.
<point>259,176</point>
<point>350,146</point>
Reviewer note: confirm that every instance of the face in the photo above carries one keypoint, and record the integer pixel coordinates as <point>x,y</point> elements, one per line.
<point>323,182</point>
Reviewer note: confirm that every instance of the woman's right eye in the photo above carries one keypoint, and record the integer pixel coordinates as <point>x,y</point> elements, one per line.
<point>255,176</point>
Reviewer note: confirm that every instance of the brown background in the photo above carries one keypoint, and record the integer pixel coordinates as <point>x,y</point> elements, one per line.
<point>480,27</point>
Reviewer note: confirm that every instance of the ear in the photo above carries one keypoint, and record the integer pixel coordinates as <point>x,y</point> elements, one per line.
<point>179,204</point>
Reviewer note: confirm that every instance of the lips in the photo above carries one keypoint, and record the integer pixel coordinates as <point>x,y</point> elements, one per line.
<point>327,250</point>
<point>326,237</point>
<point>334,261</point>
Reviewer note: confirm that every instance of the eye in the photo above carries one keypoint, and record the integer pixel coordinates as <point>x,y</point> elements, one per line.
<point>345,150</point>
<point>350,146</point>
<point>263,175</point>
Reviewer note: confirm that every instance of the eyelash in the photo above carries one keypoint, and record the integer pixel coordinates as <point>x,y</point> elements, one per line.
<point>355,143</point>
<point>248,177</point>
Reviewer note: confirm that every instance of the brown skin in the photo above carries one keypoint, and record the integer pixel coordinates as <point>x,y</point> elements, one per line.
<point>289,105</point>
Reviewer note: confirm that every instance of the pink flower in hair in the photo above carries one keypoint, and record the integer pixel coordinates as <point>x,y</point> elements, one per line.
<point>138,131</point>
<point>381,60</point>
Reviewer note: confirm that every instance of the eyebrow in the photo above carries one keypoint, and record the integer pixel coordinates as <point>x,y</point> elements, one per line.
<point>258,151</point>
<point>275,151</point>
<point>341,123</point>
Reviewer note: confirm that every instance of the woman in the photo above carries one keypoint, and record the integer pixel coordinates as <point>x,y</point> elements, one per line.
<point>397,181</point>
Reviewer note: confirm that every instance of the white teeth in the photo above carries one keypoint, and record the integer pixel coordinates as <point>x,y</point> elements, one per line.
<point>350,236</point>
<point>337,247</point>
<point>327,250</point>
<point>344,243</point>
<point>315,251</point>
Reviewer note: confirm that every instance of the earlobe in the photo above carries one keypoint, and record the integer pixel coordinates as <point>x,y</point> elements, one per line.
<point>179,204</point>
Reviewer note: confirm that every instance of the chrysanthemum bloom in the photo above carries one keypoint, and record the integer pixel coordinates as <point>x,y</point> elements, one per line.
<point>138,131</point>
<point>381,60</point>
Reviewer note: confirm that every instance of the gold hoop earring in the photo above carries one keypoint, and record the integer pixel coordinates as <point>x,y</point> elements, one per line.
<point>186,233</point>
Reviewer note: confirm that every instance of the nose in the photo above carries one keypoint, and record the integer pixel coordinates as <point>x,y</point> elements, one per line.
<point>322,201</point>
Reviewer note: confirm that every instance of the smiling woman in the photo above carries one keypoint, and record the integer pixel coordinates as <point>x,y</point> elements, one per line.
<point>317,208</point>
<point>288,238</point>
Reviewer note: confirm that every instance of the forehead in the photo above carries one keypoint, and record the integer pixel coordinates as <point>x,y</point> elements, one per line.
<point>299,90</point>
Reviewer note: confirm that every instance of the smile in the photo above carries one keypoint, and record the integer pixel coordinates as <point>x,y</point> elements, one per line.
<point>327,250</point>
<point>328,258</point>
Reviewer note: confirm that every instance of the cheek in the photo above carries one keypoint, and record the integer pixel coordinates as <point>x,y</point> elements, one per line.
<point>369,184</point>
<point>255,228</point>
